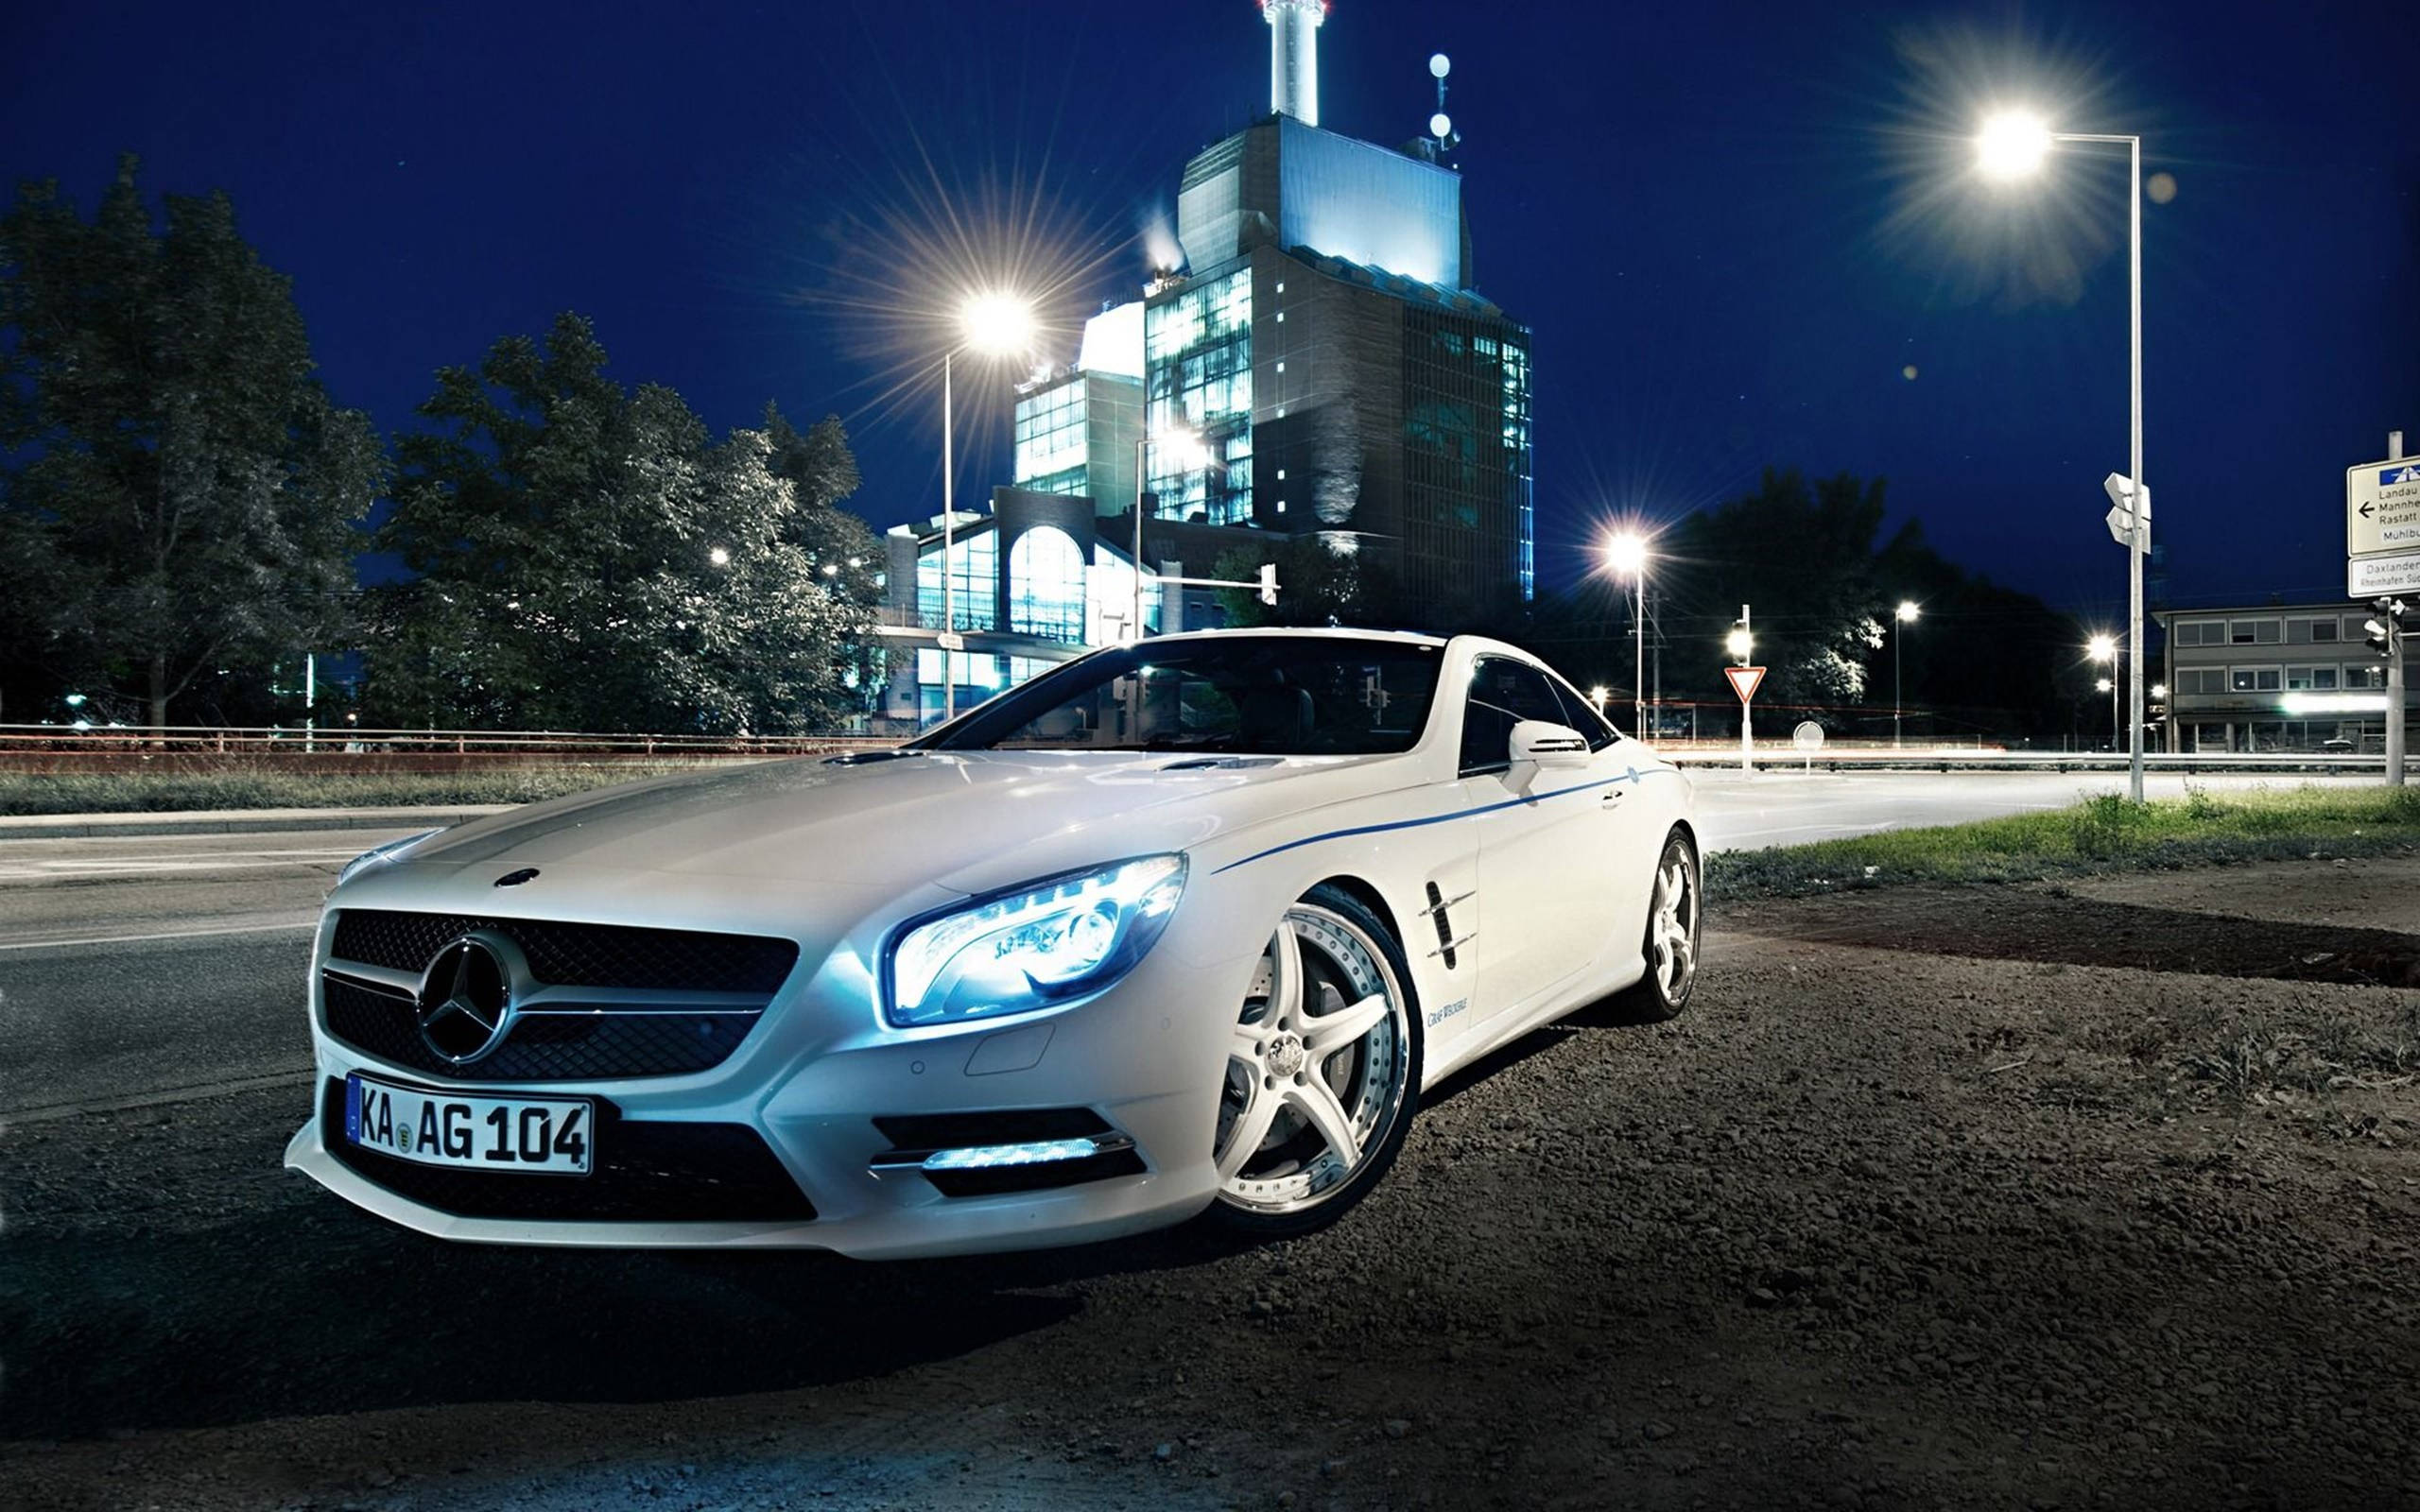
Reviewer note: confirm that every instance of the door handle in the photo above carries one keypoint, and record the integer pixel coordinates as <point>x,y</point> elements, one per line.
<point>1612,798</point>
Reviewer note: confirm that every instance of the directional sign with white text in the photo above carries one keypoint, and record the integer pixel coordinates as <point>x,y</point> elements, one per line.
<point>2393,573</point>
<point>2382,508</point>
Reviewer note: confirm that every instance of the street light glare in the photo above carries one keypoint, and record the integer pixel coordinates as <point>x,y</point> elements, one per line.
<point>1181,448</point>
<point>1909,611</point>
<point>2012,144</point>
<point>1627,554</point>
<point>2103,648</point>
<point>1739,643</point>
<point>998,324</point>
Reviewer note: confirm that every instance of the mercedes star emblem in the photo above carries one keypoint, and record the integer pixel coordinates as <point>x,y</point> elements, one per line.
<point>465,1001</point>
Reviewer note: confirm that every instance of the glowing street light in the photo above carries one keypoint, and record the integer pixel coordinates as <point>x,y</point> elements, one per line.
<point>1908,610</point>
<point>1598,696</point>
<point>2104,648</point>
<point>1626,554</point>
<point>2013,144</point>
<point>1739,643</point>
<point>720,555</point>
<point>991,323</point>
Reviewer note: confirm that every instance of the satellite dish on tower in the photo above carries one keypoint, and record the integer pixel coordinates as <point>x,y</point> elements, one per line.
<point>1440,65</point>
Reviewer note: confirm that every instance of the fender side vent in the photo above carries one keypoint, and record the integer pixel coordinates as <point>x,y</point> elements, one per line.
<point>1445,928</point>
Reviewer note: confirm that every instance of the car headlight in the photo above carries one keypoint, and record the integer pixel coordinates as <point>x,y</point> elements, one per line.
<point>380,855</point>
<point>1045,943</point>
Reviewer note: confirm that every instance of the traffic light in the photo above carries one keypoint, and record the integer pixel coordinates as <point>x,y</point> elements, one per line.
<point>2385,626</point>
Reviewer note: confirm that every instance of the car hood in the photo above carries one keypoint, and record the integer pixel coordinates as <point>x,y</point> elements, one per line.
<point>969,820</point>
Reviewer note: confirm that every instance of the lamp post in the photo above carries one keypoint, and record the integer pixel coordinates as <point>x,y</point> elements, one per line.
<point>1191,453</point>
<point>1626,555</point>
<point>2011,146</point>
<point>1907,613</point>
<point>993,324</point>
<point>1742,643</point>
<point>2104,648</point>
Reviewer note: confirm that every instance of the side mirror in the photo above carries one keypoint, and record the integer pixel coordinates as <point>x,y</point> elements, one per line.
<point>1534,740</point>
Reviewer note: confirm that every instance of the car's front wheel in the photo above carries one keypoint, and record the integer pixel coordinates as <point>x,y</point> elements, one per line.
<point>1322,1071</point>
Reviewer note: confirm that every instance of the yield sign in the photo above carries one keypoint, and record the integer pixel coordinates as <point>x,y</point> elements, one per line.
<point>1744,681</point>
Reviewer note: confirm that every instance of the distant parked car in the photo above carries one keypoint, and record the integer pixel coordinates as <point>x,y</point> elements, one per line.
<point>1178,927</point>
<point>2338,747</point>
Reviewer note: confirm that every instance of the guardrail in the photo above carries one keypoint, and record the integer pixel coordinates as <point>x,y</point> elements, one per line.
<point>1782,756</point>
<point>55,748</point>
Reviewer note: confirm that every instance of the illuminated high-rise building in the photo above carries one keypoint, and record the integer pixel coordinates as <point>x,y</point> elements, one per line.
<point>1322,339</point>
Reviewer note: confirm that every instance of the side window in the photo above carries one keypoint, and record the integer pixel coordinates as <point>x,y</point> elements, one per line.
<point>1583,716</point>
<point>1503,692</point>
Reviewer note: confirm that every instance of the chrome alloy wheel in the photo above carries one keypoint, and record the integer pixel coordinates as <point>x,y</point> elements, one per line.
<point>1672,925</point>
<point>1317,1068</point>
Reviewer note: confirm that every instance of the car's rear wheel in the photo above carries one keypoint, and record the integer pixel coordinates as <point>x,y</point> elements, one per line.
<point>1675,917</point>
<point>1322,1071</point>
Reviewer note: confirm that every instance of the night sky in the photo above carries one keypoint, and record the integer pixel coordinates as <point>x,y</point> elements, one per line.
<point>1736,228</point>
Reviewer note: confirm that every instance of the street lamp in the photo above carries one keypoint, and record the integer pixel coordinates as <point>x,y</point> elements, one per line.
<point>1190,453</point>
<point>1626,554</point>
<point>2012,144</point>
<point>991,324</point>
<point>1907,613</point>
<point>2104,648</point>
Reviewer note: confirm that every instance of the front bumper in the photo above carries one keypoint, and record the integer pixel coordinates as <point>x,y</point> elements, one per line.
<point>1144,1058</point>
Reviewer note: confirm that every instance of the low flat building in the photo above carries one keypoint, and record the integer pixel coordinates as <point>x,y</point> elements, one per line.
<point>2276,678</point>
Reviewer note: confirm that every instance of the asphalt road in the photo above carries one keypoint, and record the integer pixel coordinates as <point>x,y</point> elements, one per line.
<point>157,968</point>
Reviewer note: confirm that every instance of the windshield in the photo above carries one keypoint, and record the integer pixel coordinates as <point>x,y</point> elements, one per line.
<point>1253,694</point>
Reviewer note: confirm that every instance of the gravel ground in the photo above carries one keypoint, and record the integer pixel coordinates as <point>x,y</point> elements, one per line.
<point>1922,1204</point>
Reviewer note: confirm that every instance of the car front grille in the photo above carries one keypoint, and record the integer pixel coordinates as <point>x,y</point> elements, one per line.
<point>647,1020</point>
<point>568,1047</point>
<point>644,1172</point>
<point>671,960</point>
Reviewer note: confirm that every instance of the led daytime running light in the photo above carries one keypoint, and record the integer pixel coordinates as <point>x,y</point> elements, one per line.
<point>1027,950</point>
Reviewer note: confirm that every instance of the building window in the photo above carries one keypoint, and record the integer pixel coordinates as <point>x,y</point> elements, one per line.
<point>2202,681</point>
<point>2255,632</point>
<point>2311,679</point>
<point>2253,679</point>
<point>1050,440</point>
<point>2323,630</point>
<point>974,568</point>
<point>1047,585</point>
<point>2365,674</point>
<point>2202,632</point>
<point>1197,365</point>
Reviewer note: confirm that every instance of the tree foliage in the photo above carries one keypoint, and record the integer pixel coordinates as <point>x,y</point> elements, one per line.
<point>180,493</point>
<point>590,557</point>
<point>1980,660</point>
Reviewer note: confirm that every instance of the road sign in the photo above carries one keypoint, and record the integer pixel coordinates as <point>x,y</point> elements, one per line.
<point>2120,518</point>
<point>2396,572</point>
<point>1808,736</point>
<point>952,641</point>
<point>2381,509</point>
<point>1744,681</point>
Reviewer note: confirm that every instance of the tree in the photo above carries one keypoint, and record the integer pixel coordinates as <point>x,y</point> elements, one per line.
<point>1317,584</point>
<point>1803,555</point>
<point>589,558</point>
<point>180,487</point>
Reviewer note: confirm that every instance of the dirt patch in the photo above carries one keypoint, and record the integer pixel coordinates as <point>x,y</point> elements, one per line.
<point>1878,1224</point>
<point>2350,921</point>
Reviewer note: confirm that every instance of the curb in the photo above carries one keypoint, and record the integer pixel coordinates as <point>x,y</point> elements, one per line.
<point>235,821</point>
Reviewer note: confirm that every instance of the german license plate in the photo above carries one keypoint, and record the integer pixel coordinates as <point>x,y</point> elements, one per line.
<point>531,1135</point>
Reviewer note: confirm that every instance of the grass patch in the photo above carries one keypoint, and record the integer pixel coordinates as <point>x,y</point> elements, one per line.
<point>174,792</point>
<point>2101,834</point>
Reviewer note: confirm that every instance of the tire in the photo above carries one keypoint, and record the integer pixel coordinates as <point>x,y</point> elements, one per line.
<point>1297,1079</point>
<point>1674,929</point>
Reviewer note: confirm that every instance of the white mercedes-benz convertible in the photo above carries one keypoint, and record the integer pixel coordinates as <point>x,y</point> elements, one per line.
<point>1174,929</point>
